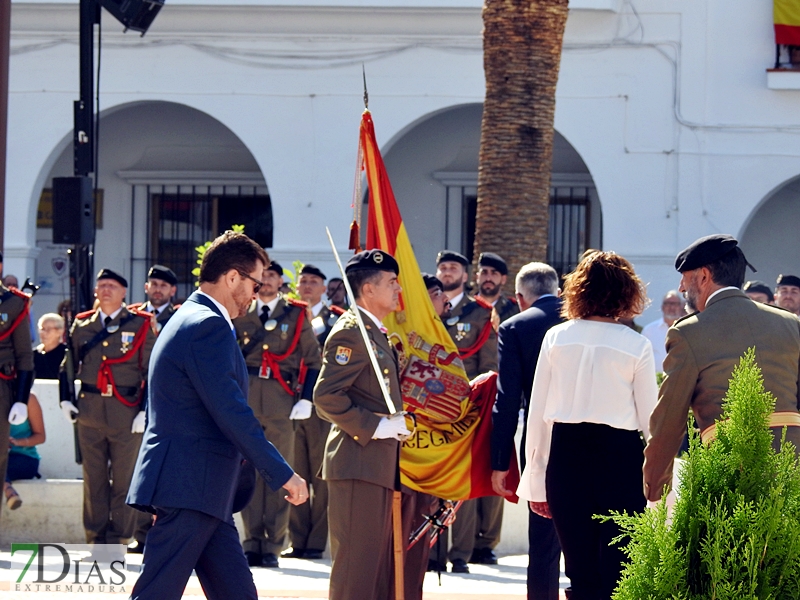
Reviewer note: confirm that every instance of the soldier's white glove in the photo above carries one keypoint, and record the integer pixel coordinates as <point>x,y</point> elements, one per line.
<point>393,427</point>
<point>138,422</point>
<point>18,413</point>
<point>301,410</point>
<point>70,411</point>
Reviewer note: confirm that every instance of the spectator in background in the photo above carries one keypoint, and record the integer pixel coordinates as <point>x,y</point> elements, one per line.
<point>48,355</point>
<point>11,281</point>
<point>336,293</point>
<point>787,293</point>
<point>673,307</point>
<point>65,310</point>
<point>23,459</point>
<point>759,291</point>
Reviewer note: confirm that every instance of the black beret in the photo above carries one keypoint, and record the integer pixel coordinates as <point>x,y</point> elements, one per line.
<point>312,270</point>
<point>372,259</point>
<point>788,280</point>
<point>705,251</point>
<point>273,266</point>
<point>431,281</point>
<point>163,273</point>
<point>758,287</point>
<point>109,274</point>
<point>490,259</point>
<point>450,256</point>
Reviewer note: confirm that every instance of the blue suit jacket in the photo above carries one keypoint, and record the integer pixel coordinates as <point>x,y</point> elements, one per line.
<point>519,341</point>
<point>198,422</point>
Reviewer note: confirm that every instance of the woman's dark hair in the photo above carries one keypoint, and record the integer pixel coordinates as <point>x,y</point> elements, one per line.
<point>231,250</point>
<point>603,285</point>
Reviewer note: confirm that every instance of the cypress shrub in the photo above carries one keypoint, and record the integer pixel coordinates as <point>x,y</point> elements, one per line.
<point>734,533</point>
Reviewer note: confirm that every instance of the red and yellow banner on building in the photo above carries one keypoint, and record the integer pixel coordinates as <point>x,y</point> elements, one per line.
<point>786,16</point>
<point>449,455</point>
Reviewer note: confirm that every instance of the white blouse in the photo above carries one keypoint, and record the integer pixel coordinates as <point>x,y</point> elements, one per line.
<point>588,372</point>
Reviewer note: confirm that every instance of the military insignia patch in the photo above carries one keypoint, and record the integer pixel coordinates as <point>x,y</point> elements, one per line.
<point>343,355</point>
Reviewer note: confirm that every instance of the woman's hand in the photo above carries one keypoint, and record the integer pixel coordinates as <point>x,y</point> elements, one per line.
<point>541,508</point>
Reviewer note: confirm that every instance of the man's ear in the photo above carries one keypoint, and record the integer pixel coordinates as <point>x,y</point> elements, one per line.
<point>230,278</point>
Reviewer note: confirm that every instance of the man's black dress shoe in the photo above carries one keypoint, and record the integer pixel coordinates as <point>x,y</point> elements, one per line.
<point>253,559</point>
<point>459,566</point>
<point>295,553</point>
<point>270,561</point>
<point>312,554</point>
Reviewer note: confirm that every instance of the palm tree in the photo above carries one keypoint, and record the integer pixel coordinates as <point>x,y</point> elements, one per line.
<point>522,42</point>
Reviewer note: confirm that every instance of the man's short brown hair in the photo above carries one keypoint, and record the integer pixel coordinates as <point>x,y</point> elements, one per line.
<point>603,285</point>
<point>231,250</point>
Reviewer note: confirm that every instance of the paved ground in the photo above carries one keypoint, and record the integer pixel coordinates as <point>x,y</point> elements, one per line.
<point>304,579</point>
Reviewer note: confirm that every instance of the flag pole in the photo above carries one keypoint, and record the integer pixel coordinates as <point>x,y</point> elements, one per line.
<point>367,342</point>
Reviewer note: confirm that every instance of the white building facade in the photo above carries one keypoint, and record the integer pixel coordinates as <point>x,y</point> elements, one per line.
<point>668,124</point>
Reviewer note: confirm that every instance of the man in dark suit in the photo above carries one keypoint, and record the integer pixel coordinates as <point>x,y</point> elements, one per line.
<point>519,342</point>
<point>198,427</point>
<point>704,347</point>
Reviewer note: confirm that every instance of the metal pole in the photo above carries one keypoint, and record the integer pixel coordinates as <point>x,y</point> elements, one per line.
<point>5,42</point>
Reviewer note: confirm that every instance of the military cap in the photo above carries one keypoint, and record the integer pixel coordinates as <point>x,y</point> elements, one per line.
<point>451,256</point>
<point>758,287</point>
<point>789,280</point>
<point>372,259</point>
<point>704,251</point>
<point>273,266</point>
<point>431,281</point>
<point>163,273</point>
<point>490,259</point>
<point>109,274</point>
<point>312,270</point>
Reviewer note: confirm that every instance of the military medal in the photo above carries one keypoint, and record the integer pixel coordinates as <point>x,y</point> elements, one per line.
<point>284,330</point>
<point>332,319</point>
<point>270,325</point>
<point>4,318</point>
<point>127,340</point>
<point>112,328</point>
<point>451,321</point>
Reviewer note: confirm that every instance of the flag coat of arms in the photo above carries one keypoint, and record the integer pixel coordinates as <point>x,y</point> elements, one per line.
<point>448,455</point>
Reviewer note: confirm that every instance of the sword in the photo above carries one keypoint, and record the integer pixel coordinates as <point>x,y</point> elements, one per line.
<point>367,342</point>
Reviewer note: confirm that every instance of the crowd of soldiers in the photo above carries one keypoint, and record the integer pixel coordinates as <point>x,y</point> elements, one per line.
<point>281,337</point>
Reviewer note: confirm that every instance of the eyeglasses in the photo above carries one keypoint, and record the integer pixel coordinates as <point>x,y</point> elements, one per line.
<point>257,284</point>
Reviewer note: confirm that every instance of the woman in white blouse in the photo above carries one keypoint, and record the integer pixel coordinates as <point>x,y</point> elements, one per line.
<point>593,392</point>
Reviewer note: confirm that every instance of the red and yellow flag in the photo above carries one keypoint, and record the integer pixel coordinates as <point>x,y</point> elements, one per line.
<point>448,456</point>
<point>786,15</point>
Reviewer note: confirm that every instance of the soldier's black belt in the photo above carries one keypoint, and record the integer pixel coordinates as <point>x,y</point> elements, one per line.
<point>287,377</point>
<point>123,390</point>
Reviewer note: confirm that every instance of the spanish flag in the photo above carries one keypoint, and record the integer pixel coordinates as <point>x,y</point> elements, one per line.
<point>448,456</point>
<point>786,15</point>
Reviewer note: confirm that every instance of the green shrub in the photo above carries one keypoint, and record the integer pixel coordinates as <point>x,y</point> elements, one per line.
<point>734,533</point>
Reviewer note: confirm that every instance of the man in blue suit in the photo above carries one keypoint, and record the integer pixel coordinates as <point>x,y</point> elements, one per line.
<point>199,427</point>
<point>519,341</point>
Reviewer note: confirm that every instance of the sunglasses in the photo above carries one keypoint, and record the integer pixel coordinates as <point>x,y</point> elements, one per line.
<point>257,284</point>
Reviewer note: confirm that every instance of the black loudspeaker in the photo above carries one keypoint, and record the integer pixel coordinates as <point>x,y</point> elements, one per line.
<point>73,210</point>
<point>134,14</point>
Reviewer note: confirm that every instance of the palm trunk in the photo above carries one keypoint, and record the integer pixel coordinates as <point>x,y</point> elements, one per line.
<point>521,55</point>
